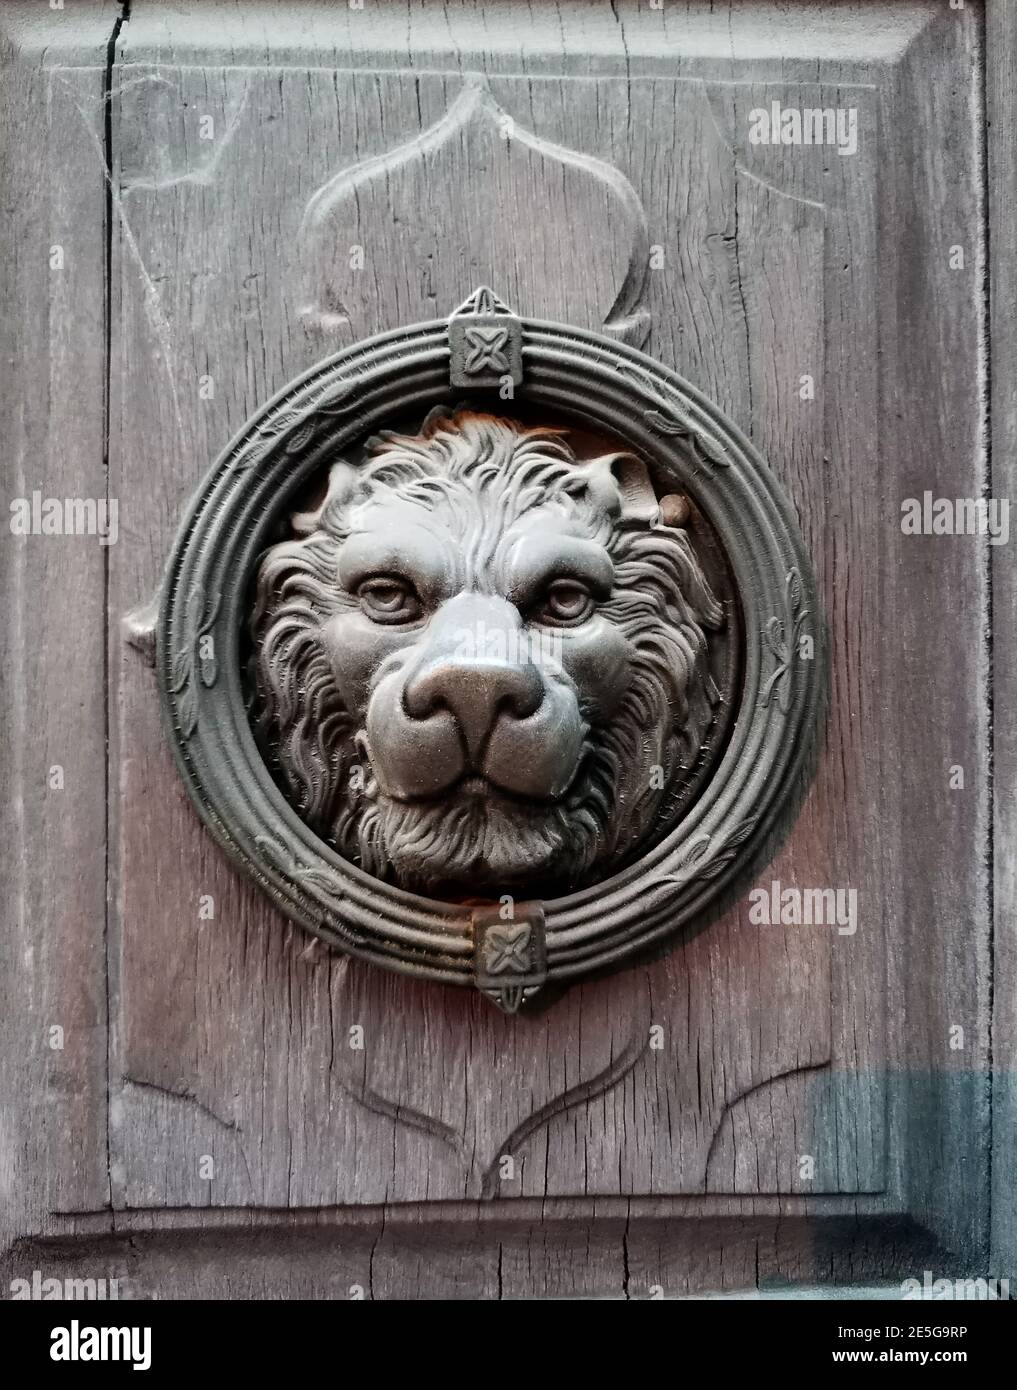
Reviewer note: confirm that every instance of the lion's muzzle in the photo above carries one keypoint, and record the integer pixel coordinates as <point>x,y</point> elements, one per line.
<point>479,698</point>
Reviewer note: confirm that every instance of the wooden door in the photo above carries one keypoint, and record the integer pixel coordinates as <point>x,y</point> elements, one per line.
<point>203,1101</point>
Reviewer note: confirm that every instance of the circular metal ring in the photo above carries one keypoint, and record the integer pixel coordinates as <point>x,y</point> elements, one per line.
<point>689,444</point>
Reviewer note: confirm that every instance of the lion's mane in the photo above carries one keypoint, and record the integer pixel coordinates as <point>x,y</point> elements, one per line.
<point>486,472</point>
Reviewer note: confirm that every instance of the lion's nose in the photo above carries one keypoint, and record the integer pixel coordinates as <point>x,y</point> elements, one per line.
<point>477,694</point>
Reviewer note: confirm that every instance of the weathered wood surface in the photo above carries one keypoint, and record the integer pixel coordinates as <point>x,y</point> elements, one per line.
<point>229,1038</point>
<point>53,807</point>
<point>932,333</point>
<point>459,1086</point>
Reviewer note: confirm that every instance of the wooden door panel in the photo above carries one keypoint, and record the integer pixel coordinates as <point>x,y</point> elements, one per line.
<point>445,192</point>
<point>738,305</point>
<point>54,988</point>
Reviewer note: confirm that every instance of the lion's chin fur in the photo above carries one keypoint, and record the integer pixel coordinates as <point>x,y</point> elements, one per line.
<point>475,842</point>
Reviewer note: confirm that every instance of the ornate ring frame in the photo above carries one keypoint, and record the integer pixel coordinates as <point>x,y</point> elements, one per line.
<point>690,445</point>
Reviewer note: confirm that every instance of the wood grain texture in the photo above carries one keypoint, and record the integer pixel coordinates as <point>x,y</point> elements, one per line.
<point>53,969</point>
<point>740,307</point>
<point>606,1253</point>
<point>468,173</point>
<point>632,1168</point>
<point>933,354</point>
<point>456,1084</point>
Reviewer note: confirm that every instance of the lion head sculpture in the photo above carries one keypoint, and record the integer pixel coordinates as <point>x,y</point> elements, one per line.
<point>482,662</point>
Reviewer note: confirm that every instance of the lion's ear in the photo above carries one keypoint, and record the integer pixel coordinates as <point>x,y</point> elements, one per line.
<point>342,483</point>
<point>621,484</point>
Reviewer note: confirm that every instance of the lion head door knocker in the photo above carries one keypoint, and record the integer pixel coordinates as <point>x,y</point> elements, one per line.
<point>490,649</point>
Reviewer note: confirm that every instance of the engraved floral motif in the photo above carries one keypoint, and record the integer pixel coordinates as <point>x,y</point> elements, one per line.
<point>485,350</point>
<point>195,658</point>
<point>297,424</point>
<point>317,882</point>
<point>669,415</point>
<point>782,636</point>
<point>507,948</point>
<point>706,858</point>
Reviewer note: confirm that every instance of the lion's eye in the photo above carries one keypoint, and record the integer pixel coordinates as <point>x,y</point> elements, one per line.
<point>388,599</point>
<point>567,602</point>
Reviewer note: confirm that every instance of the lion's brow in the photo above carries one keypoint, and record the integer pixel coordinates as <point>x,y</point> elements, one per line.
<point>478,505</point>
